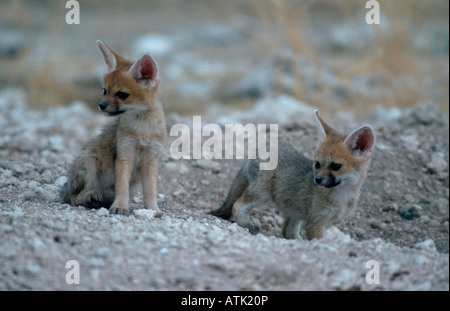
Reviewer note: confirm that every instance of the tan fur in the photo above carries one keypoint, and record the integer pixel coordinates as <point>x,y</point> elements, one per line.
<point>316,192</point>
<point>126,152</point>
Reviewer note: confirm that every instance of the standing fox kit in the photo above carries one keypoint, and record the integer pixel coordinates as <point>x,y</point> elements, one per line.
<point>125,153</point>
<point>316,192</point>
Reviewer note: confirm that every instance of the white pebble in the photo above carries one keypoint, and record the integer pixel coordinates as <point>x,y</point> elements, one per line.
<point>145,214</point>
<point>61,181</point>
<point>102,212</point>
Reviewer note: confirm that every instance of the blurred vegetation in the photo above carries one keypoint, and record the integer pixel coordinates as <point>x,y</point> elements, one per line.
<point>390,55</point>
<point>56,57</point>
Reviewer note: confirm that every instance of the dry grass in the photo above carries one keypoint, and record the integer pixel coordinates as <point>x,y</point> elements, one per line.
<point>284,25</point>
<point>403,70</point>
<point>43,72</point>
<point>49,80</point>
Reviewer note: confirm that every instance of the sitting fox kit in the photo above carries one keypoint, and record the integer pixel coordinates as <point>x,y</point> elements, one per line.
<point>125,153</point>
<point>316,193</point>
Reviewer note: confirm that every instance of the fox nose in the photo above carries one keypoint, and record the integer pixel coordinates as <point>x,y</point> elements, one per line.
<point>318,179</point>
<point>102,106</point>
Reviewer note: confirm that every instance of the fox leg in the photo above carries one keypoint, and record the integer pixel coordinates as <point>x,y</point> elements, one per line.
<point>291,228</point>
<point>149,177</point>
<point>241,210</point>
<point>122,169</point>
<point>315,230</point>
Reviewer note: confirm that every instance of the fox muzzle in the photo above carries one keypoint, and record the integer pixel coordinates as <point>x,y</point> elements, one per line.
<point>329,182</point>
<point>102,106</point>
<point>110,109</point>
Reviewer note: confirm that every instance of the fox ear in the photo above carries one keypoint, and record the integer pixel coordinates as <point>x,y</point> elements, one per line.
<point>145,71</point>
<point>108,56</point>
<point>361,141</point>
<point>325,128</point>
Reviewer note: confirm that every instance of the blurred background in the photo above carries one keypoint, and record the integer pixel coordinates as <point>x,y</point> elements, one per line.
<point>221,57</point>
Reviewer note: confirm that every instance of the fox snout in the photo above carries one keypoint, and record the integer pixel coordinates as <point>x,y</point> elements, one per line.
<point>318,180</point>
<point>109,108</point>
<point>328,182</point>
<point>102,106</point>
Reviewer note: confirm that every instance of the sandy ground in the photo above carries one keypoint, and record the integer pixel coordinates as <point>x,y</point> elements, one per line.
<point>401,221</point>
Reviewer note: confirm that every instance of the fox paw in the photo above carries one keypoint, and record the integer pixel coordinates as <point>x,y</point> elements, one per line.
<point>120,210</point>
<point>158,213</point>
<point>93,199</point>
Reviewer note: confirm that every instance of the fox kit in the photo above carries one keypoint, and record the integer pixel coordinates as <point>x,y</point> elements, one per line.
<point>125,153</point>
<point>315,192</point>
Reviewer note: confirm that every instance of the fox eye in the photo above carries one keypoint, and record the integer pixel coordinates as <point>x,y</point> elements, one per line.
<point>335,166</point>
<point>317,165</point>
<point>122,95</point>
<point>104,91</point>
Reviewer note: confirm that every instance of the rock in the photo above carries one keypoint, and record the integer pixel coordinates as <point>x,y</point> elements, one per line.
<point>279,274</point>
<point>437,163</point>
<point>345,279</point>
<point>177,166</point>
<point>15,212</point>
<point>208,165</point>
<point>444,226</point>
<point>359,232</point>
<point>376,224</point>
<point>56,143</point>
<point>147,214</point>
<point>425,219</point>
<point>334,236</point>
<point>32,269</point>
<point>410,212</point>
<point>38,246</point>
<point>102,212</point>
<point>178,192</point>
<point>46,193</point>
<point>46,177</point>
<point>395,206</point>
<point>427,245</point>
<point>61,181</point>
